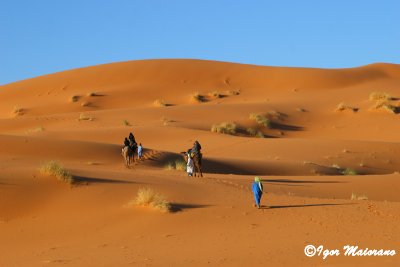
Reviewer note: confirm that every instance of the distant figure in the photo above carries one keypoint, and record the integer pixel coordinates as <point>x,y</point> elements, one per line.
<point>140,151</point>
<point>126,142</point>
<point>257,188</point>
<point>189,165</point>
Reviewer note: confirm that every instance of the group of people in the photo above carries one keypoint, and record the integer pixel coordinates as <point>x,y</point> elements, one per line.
<point>131,143</point>
<point>257,186</point>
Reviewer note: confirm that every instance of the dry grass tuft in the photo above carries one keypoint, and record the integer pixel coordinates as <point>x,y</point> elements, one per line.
<point>354,196</point>
<point>53,168</point>
<point>349,171</point>
<point>126,123</point>
<point>215,94</point>
<point>255,132</point>
<point>160,103</point>
<point>86,104</point>
<point>147,197</point>
<point>84,117</point>
<point>260,119</point>
<point>17,111</point>
<point>75,98</point>
<point>342,107</point>
<point>224,128</point>
<point>197,97</point>
<point>36,130</point>
<point>380,96</point>
<point>178,164</point>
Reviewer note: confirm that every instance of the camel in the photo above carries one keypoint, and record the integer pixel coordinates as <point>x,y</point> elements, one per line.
<point>196,163</point>
<point>127,153</point>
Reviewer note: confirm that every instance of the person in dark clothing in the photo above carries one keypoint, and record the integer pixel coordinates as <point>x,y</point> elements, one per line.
<point>132,138</point>
<point>196,148</point>
<point>126,142</point>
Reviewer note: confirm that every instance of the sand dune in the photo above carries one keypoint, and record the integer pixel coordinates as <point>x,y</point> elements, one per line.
<point>323,124</point>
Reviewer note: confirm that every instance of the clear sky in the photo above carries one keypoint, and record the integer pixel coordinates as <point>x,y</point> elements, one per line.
<point>45,36</point>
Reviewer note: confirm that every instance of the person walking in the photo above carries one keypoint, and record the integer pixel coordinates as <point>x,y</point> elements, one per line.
<point>189,165</point>
<point>257,189</point>
<point>140,151</point>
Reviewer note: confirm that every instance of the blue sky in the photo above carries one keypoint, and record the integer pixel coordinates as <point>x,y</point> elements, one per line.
<point>46,36</point>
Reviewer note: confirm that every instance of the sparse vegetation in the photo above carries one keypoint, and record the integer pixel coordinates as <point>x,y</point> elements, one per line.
<point>91,94</point>
<point>17,111</point>
<point>384,101</point>
<point>342,107</point>
<point>147,197</point>
<point>74,98</point>
<point>160,103</point>
<point>36,130</point>
<point>84,117</point>
<point>224,128</point>
<point>234,92</point>
<point>196,97</point>
<point>86,104</point>
<point>260,119</point>
<point>255,132</point>
<point>178,164</point>
<point>215,94</point>
<point>354,196</point>
<point>126,123</point>
<point>349,171</point>
<point>380,96</point>
<point>54,168</point>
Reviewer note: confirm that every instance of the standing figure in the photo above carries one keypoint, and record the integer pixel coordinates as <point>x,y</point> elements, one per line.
<point>140,151</point>
<point>257,189</point>
<point>189,165</point>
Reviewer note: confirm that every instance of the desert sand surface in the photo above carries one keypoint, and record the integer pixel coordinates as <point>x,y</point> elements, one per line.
<point>323,125</point>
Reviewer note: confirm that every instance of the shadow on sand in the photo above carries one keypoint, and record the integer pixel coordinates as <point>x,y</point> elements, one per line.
<point>301,181</point>
<point>177,207</point>
<point>303,206</point>
<point>83,179</point>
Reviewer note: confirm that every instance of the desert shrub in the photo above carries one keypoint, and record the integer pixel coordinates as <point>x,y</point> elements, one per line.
<point>215,94</point>
<point>170,166</point>
<point>234,92</point>
<point>354,196</point>
<point>86,104</point>
<point>17,111</point>
<point>126,123</point>
<point>84,117</point>
<point>196,97</point>
<point>342,107</point>
<point>224,128</point>
<point>54,168</point>
<point>36,130</point>
<point>147,197</point>
<point>178,164</point>
<point>159,103</point>
<point>260,119</point>
<point>74,98</point>
<point>276,115</point>
<point>94,94</point>
<point>349,171</point>
<point>255,132</point>
<point>380,96</point>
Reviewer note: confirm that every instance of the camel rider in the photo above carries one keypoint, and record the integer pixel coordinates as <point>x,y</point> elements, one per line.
<point>126,142</point>
<point>196,150</point>
<point>132,138</point>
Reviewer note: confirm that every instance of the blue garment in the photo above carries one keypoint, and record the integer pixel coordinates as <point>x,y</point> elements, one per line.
<point>256,187</point>
<point>140,149</point>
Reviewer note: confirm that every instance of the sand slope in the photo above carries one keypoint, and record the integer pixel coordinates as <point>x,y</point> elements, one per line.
<point>80,118</point>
